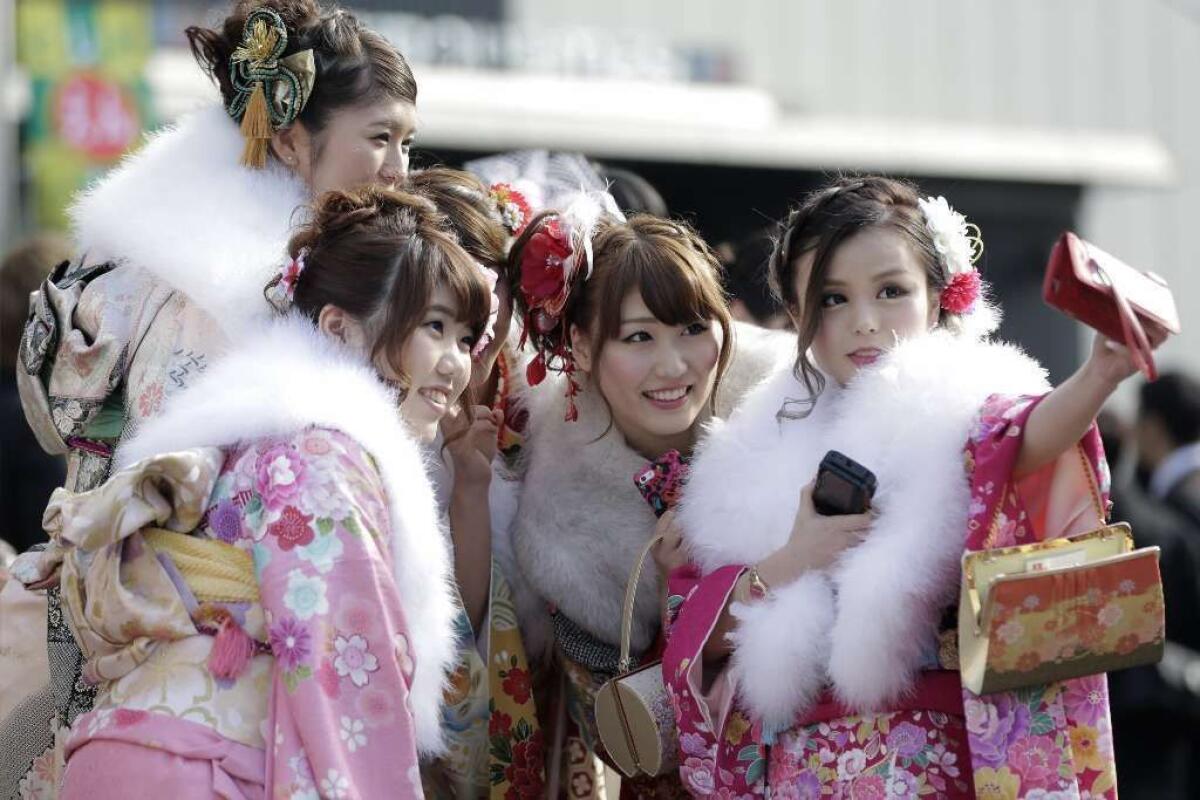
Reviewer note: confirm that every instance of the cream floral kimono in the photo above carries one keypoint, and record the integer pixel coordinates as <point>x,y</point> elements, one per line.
<point>175,246</point>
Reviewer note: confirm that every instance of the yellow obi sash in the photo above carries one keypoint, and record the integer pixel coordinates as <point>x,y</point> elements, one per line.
<point>214,571</point>
<point>121,599</point>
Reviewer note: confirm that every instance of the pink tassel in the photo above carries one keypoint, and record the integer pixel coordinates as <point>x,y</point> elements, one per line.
<point>231,652</point>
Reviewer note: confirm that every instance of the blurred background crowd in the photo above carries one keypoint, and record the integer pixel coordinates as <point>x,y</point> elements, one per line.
<point>1035,116</point>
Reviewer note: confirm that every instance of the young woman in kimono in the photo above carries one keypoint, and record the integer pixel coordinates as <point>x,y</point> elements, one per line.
<point>631,318</point>
<point>262,589</point>
<point>175,246</point>
<point>831,671</point>
<point>489,745</point>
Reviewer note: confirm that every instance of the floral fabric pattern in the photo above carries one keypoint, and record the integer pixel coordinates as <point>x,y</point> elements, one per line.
<point>906,754</point>
<point>510,436</point>
<point>325,702</point>
<point>516,743</point>
<point>1119,614</point>
<point>1055,740</point>
<point>462,772</point>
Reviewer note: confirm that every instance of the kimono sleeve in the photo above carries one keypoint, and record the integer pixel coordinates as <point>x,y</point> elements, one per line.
<point>340,717</point>
<point>719,746</point>
<point>1067,496</point>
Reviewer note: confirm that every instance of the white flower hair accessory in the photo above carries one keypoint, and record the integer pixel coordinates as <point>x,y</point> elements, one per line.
<point>281,291</point>
<point>959,246</point>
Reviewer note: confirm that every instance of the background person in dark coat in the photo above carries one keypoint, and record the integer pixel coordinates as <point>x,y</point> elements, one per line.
<point>1156,716</point>
<point>1168,441</point>
<point>27,474</point>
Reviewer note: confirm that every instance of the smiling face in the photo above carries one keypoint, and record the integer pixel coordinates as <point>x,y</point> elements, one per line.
<point>364,144</point>
<point>656,377</point>
<point>875,292</point>
<point>435,365</point>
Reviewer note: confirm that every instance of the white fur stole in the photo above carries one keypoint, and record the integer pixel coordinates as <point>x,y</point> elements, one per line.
<point>184,209</point>
<point>865,624</point>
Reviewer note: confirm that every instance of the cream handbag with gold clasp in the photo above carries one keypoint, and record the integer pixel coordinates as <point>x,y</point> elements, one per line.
<point>633,712</point>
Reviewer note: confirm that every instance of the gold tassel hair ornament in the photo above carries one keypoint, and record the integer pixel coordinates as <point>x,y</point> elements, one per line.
<point>269,92</point>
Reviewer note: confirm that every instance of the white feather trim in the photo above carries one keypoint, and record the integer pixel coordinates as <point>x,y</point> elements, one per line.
<point>907,420</point>
<point>184,209</point>
<point>286,377</point>
<point>760,648</point>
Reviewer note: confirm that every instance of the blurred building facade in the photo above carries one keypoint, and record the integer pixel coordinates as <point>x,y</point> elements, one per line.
<point>1076,71</point>
<point>1032,116</point>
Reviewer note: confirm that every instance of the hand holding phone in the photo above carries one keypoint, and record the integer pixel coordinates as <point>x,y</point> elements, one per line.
<point>843,486</point>
<point>818,539</point>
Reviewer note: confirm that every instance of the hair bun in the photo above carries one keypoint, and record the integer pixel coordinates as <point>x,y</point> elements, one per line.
<point>337,213</point>
<point>424,209</point>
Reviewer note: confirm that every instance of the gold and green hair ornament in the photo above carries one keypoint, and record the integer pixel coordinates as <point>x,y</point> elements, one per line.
<point>269,91</point>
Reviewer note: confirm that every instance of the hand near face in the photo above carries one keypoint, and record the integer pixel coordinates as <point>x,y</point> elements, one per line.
<point>472,444</point>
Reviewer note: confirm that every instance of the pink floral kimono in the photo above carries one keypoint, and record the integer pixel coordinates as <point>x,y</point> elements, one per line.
<point>268,614</point>
<point>933,738</point>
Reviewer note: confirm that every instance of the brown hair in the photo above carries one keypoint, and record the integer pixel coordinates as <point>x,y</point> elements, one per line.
<point>379,254</point>
<point>354,64</point>
<point>677,274</point>
<point>470,210</point>
<point>21,272</point>
<point>827,218</point>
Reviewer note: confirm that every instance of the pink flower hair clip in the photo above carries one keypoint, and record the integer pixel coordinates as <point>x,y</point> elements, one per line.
<point>281,291</point>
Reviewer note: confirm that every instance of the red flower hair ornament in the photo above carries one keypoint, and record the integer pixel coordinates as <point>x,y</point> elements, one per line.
<point>513,207</point>
<point>556,256</point>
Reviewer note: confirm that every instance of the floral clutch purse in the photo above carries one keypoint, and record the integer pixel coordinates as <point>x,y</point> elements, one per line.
<point>633,712</point>
<point>1063,608</point>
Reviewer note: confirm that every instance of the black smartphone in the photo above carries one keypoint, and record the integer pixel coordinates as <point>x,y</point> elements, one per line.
<point>843,486</point>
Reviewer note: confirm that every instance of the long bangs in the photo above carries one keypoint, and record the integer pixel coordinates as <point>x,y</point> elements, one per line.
<point>678,284</point>
<point>426,262</point>
<point>461,275</point>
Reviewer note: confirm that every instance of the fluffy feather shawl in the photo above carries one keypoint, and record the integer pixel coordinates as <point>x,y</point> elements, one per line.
<point>183,209</point>
<point>864,625</point>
